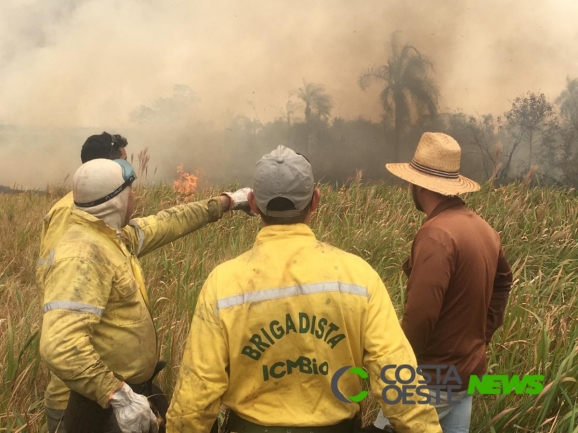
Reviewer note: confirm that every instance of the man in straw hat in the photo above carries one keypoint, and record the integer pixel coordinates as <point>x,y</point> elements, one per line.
<point>273,326</point>
<point>458,278</point>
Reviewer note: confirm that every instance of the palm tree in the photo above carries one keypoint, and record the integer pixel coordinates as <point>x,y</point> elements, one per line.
<point>317,102</point>
<point>408,90</point>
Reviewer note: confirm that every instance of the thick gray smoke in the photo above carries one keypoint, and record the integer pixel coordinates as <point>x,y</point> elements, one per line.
<point>86,65</point>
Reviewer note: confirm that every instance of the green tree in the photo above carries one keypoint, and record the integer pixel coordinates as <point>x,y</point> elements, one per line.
<point>167,110</point>
<point>568,101</point>
<point>409,93</point>
<point>317,102</point>
<point>529,116</point>
<point>479,141</point>
<point>567,153</point>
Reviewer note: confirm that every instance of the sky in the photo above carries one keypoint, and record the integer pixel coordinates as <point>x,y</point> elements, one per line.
<point>89,63</point>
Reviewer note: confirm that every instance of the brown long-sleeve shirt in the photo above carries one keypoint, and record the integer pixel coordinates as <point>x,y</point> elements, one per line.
<point>458,287</point>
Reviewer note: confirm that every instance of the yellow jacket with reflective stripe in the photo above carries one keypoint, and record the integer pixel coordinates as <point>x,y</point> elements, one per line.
<point>96,321</point>
<point>272,326</point>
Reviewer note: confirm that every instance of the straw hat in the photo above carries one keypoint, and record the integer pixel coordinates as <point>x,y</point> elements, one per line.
<point>435,166</point>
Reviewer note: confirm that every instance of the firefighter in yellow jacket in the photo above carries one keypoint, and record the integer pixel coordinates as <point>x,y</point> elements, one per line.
<point>98,336</point>
<point>54,224</point>
<point>273,326</point>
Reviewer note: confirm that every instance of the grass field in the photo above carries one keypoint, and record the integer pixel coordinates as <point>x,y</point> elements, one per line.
<point>539,230</point>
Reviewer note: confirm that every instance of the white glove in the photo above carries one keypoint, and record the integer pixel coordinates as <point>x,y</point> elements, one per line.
<point>133,412</point>
<point>239,200</point>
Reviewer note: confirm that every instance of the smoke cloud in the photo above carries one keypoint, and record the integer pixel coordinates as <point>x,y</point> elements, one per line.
<point>87,64</point>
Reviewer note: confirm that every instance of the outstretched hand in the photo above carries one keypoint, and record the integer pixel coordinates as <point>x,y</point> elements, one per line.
<point>239,200</point>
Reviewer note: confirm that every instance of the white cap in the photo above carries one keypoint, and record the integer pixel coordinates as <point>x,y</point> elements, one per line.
<point>283,173</point>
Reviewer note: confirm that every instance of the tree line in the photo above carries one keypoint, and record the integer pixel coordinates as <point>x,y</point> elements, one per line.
<point>534,136</point>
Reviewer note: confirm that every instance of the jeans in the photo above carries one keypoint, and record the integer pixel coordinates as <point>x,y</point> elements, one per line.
<point>454,418</point>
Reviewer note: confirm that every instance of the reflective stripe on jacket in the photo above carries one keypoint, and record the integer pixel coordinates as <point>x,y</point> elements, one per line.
<point>272,327</point>
<point>96,319</point>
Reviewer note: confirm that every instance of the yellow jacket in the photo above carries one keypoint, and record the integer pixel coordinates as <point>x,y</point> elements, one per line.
<point>272,326</point>
<point>96,326</point>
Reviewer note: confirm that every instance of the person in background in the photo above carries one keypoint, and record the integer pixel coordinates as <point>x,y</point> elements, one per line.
<point>105,228</point>
<point>273,326</point>
<point>458,277</point>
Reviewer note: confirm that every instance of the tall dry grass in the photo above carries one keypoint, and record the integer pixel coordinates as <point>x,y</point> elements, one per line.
<point>540,335</point>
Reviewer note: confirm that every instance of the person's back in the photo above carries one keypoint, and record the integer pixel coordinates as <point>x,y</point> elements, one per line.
<point>272,327</point>
<point>296,310</point>
<point>470,250</point>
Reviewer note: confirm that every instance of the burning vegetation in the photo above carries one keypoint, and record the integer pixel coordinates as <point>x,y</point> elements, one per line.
<point>186,184</point>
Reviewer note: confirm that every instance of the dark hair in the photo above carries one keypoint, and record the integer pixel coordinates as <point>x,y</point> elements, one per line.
<point>280,204</point>
<point>105,146</point>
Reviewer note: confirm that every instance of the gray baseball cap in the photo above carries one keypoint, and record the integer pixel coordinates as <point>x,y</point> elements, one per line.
<point>283,173</point>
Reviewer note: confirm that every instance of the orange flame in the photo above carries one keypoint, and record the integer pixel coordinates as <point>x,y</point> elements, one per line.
<point>186,184</point>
